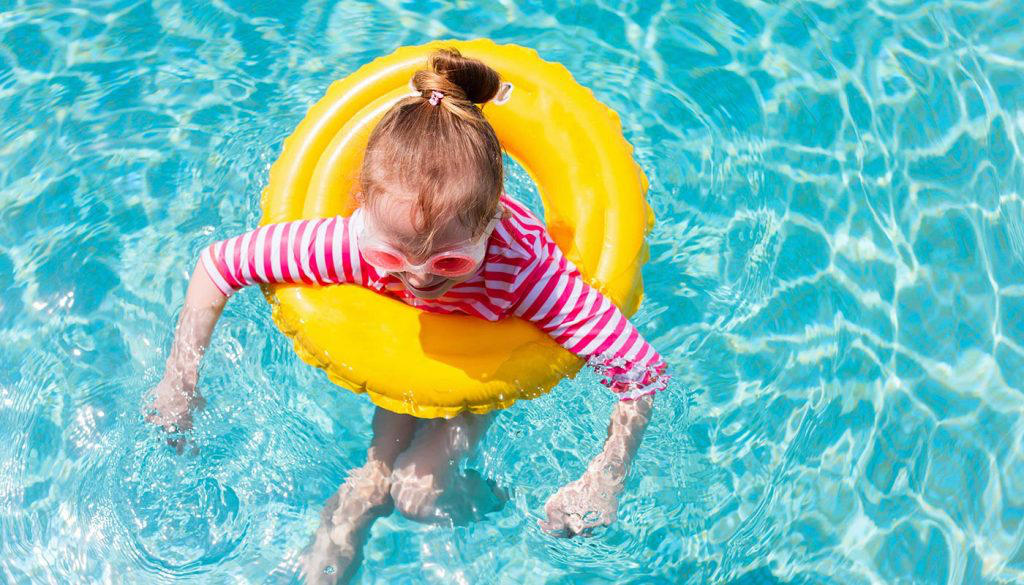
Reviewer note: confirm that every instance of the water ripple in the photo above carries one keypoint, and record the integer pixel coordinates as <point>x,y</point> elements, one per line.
<point>835,277</point>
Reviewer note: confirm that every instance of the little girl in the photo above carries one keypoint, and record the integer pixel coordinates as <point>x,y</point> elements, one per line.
<point>435,230</point>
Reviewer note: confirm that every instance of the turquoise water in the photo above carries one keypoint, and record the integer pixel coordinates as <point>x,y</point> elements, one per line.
<point>836,277</point>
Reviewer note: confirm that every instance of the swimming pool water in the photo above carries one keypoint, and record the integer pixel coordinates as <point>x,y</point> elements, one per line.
<point>836,278</point>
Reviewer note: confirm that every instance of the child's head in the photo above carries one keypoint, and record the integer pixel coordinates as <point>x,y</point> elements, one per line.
<point>432,173</point>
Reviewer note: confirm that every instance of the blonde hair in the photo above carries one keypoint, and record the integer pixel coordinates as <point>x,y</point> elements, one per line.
<point>448,154</point>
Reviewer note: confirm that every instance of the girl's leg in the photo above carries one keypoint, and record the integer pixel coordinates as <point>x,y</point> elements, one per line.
<point>345,520</point>
<point>425,471</point>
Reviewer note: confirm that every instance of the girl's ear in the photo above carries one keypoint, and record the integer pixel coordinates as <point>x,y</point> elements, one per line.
<point>359,198</point>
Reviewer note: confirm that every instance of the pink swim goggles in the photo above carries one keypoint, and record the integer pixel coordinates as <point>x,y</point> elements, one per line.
<point>458,260</point>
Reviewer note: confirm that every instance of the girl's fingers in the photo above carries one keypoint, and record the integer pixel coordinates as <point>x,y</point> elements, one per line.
<point>161,421</point>
<point>576,524</point>
<point>588,529</point>
<point>560,533</point>
<point>550,524</point>
<point>566,517</point>
<point>555,529</point>
<point>178,444</point>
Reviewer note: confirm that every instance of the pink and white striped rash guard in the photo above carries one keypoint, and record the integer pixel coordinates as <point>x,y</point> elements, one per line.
<point>523,274</point>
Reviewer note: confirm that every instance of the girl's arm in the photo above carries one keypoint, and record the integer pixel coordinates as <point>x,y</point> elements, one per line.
<point>304,251</point>
<point>625,431</point>
<point>555,298</point>
<point>592,500</point>
<point>176,396</point>
<point>314,251</point>
<point>204,304</point>
<point>581,319</point>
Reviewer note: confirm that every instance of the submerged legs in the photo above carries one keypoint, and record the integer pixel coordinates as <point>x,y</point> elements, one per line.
<point>410,465</point>
<point>349,513</point>
<point>424,485</point>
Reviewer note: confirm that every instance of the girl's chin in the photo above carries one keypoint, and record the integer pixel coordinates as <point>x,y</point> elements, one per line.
<point>429,292</point>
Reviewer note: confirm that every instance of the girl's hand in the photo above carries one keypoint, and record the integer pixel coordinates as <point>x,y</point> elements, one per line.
<point>592,500</point>
<point>174,399</point>
<point>579,507</point>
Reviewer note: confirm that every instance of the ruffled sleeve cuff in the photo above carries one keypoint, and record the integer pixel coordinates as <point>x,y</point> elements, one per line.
<point>631,381</point>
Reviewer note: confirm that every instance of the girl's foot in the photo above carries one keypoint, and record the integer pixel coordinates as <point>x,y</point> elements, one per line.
<point>472,497</point>
<point>321,560</point>
<point>345,519</point>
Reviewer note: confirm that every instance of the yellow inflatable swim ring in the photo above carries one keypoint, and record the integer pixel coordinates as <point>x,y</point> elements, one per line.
<point>433,365</point>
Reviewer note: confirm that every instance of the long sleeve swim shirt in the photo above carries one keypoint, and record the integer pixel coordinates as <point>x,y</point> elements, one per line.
<point>524,274</point>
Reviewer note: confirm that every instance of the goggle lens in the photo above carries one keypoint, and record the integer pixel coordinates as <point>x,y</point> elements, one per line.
<point>452,265</point>
<point>383,259</point>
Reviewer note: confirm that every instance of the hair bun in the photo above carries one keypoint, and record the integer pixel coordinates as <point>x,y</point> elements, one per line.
<point>460,77</point>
